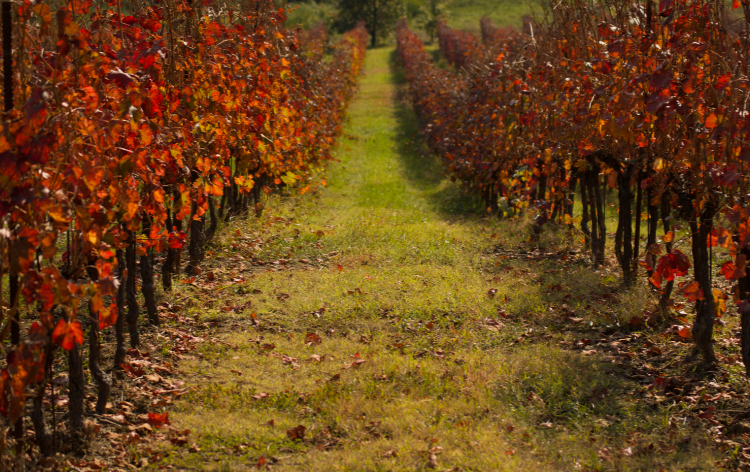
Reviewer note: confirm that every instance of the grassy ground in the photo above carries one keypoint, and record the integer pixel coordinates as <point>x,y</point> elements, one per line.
<point>465,14</point>
<point>306,15</point>
<point>386,324</point>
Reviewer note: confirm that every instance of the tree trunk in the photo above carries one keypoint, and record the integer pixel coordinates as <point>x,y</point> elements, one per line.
<point>43,437</point>
<point>120,350</point>
<point>197,240</point>
<point>744,296</point>
<point>704,309</point>
<point>653,226</point>
<point>147,277</point>
<point>166,267</point>
<point>637,236</point>
<point>15,338</point>
<point>134,310</point>
<point>585,217</point>
<point>599,200</point>
<point>103,381</point>
<point>178,224</point>
<point>598,226</point>
<point>624,238</point>
<point>76,389</point>
<point>213,219</point>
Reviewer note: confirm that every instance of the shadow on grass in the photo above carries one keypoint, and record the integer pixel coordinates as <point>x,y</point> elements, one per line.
<point>421,167</point>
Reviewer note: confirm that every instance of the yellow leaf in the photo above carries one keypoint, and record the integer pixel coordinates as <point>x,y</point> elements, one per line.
<point>42,9</point>
<point>57,214</point>
<point>72,29</point>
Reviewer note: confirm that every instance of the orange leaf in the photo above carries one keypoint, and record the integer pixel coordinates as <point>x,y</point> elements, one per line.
<point>693,292</point>
<point>655,280</point>
<point>108,316</point>
<point>67,334</point>
<point>158,420</point>
<point>711,121</point>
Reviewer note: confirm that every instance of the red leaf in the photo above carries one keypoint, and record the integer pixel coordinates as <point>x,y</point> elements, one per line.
<point>158,420</point>
<point>67,334</point>
<point>727,269</point>
<point>722,81</point>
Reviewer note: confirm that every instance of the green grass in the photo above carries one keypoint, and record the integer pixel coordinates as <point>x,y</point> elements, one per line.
<point>406,263</point>
<point>465,14</point>
<point>306,15</point>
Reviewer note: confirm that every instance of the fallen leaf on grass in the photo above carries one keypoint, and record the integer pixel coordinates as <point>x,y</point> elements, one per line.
<point>179,440</point>
<point>292,361</point>
<point>312,338</point>
<point>296,434</point>
<point>356,363</point>
<point>492,324</point>
<point>158,420</point>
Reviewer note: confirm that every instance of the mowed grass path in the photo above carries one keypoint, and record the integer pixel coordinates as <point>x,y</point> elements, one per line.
<point>387,347</point>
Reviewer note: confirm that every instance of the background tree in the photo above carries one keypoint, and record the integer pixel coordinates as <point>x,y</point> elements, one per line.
<point>379,15</point>
<point>431,12</point>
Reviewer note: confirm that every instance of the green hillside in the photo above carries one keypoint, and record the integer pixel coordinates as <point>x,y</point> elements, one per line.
<point>463,14</point>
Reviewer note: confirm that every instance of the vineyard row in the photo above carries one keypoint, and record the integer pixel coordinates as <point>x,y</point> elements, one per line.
<point>128,132</point>
<point>645,98</point>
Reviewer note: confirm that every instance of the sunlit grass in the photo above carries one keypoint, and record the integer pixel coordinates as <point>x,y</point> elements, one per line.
<point>465,14</point>
<point>456,376</point>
